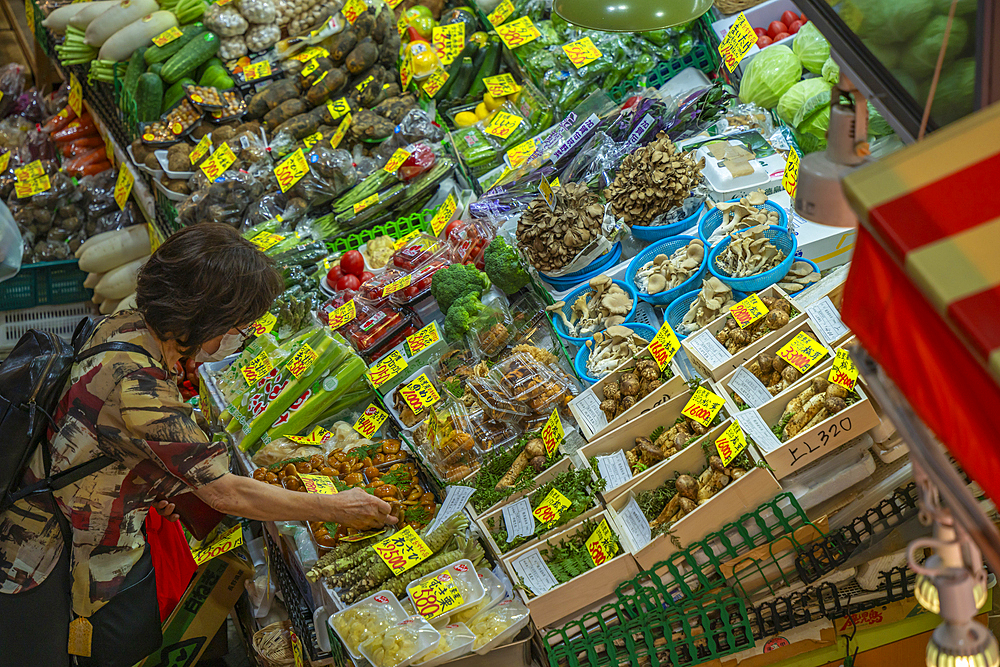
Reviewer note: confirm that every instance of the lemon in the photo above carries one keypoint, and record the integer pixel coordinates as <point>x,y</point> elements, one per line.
<point>492,102</point>
<point>481,111</point>
<point>466,118</point>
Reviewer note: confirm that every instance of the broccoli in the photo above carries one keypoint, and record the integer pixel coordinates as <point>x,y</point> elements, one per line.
<point>455,281</point>
<point>503,266</point>
<point>460,316</point>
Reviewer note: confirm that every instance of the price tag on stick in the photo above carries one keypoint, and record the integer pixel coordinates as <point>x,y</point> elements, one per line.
<point>552,507</point>
<point>228,542</point>
<point>581,52</point>
<point>443,215</point>
<point>552,433</point>
<point>265,324</point>
<point>402,550</point>
<point>664,346</point>
<point>123,187</point>
<point>291,170</point>
<point>790,180</point>
<point>423,339</point>
<point>343,314</point>
<point>731,443</point>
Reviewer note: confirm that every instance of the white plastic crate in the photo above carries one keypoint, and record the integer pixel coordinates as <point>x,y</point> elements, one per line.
<point>60,319</point>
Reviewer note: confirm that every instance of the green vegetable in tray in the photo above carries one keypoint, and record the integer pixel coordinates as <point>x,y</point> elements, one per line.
<point>460,316</point>
<point>503,266</point>
<point>796,96</point>
<point>456,281</point>
<point>769,75</point>
<point>812,48</point>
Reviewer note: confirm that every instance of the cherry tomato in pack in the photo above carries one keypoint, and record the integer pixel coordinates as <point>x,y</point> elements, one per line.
<point>788,17</point>
<point>421,159</point>
<point>348,281</point>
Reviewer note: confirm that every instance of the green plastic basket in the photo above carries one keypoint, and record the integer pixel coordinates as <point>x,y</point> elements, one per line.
<point>41,34</point>
<point>397,229</point>
<point>44,283</point>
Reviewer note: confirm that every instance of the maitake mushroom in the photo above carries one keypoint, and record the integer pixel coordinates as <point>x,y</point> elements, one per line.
<point>552,239</point>
<point>652,180</point>
<point>664,273</point>
<point>605,305</point>
<point>743,214</point>
<point>714,299</point>
<point>799,277</point>
<point>749,252</point>
<point>611,348</point>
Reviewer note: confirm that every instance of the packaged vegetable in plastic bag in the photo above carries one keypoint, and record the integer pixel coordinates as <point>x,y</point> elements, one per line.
<point>10,244</point>
<point>331,172</point>
<point>262,36</point>
<point>231,48</point>
<point>769,75</point>
<point>258,11</point>
<point>224,21</point>
<point>812,48</point>
<point>12,85</point>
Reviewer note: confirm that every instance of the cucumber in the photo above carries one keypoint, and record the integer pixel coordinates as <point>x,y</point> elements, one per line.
<point>463,79</point>
<point>205,65</point>
<point>186,61</point>
<point>158,54</point>
<point>469,51</point>
<point>155,68</point>
<point>136,65</point>
<point>174,94</point>
<point>148,97</point>
<point>217,77</point>
<point>490,66</point>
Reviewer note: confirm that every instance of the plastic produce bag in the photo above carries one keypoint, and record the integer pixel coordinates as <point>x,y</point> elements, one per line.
<point>258,11</point>
<point>12,85</point>
<point>10,244</point>
<point>261,37</point>
<point>770,74</point>
<point>231,48</point>
<point>331,172</point>
<point>224,21</point>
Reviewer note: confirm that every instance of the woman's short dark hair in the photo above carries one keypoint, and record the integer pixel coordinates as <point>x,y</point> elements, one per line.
<point>203,281</point>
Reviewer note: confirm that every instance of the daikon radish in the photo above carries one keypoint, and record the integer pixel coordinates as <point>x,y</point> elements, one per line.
<point>109,306</point>
<point>119,283</point>
<point>96,239</point>
<point>126,245</point>
<point>119,46</point>
<point>126,303</point>
<point>97,299</point>
<point>92,280</point>
<point>116,18</point>
<point>90,11</point>
<point>60,16</point>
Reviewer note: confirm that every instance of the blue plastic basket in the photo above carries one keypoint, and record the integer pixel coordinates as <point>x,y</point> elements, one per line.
<point>666,247</point>
<point>657,232</point>
<point>782,239</point>
<point>678,309</point>
<point>711,222</point>
<point>797,259</point>
<point>595,268</point>
<point>580,362</point>
<point>571,297</point>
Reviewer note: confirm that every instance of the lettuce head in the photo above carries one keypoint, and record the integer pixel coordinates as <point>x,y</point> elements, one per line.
<point>769,75</point>
<point>891,21</point>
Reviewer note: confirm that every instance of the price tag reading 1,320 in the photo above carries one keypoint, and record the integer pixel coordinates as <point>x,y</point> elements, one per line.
<point>552,506</point>
<point>518,33</point>
<point>803,351</point>
<point>437,596</point>
<point>844,372</point>
<point>291,170</point>
<point>502,124</point>
<point>731,443</point>
<point>664,346</point>
<point>748,311</point>
<point>552,432</point>
<point>581,52</point>
<point>301,361</point>
<point>703,406</point>
<point>371,421</point>
<point>386,369</point>
<point>402,550</point>
<point>602,545</point>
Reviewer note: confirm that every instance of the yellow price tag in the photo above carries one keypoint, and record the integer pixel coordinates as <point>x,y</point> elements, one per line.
<point>581,52</point>
<point>301,361</point>
<point>401,25</point>
<point>201,149</point>
<point>397,160</point>
<point>406,72</point>
<point>310,67</point>
<point>291,170</point>
<point>31,170</point>
<point>518,33</point>
<point>502,124</point>
<point>393,3</point>
<point>802,352</point>
<point>790,180</point>
<point>365,203</point>
<point>552,506</point>
<point>501,85</point>
<point>844,372</point>
<point>255,71</point>
<point>396,285</point>
<point>265,240</point>
<point>436,597</point>
<point>32,186</point>
<point>520,153</point>
<point>370,421</point>
<point>353,9</point>
<point>448,41</point>
<point>664,346</point>
<point>546,190</point>
<point>552,432</point>
<point>420,394</point>
<point>29,15</point>
<point>361,86</point>
<point>748,311</point>
<point>109,147</point>
<point>406,239</point>
<point>341,131</point>
<point>228,542</point>
<point>422,340</point>
<point>703,406</point>
<point>265,324</point>
<point>737,42</point>
<point>313,139</point>
<point>75,95</point>
<point>434,82</point>
<point>4,161</point>
<point>216,165</point>
<point>123,186</point>
<point>167,36</point>
<point>386,369</point>
<point>310,53</point>
<point>555,182</point>
<point>731,443</point>
<point>501,13</point>
<point>338,108</point>
<point>343,314</point>
<point>293,638</point>
<point>402,550</point>
<point>316,437</point>
<point>602,545</point>
<point>258,368</point>
<point>443,215</point>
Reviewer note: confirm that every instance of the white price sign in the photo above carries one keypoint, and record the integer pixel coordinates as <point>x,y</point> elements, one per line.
<point>518,519</point>
<point>749,388</point>
<point>826,318</point>
<point>709,348</point>
<point>754,426</point>
<point>535,574</point>
<point>614,469</point>
<point>635,524</point>
<point>456,499</point>
<point>588,410</point>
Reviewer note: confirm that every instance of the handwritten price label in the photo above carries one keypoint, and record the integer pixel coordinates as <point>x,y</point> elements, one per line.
<point>737,42</point>
<point>264,324</point>
<point>291,170</point>
<point>443,215</point>
<point>353,9</point>
<point>501,13</point>
<point>552,507</point>
<point>422,340</point>
<point>296,647</point>
<point>386,369</point>
<point>361,86</point>
<point>32,186</point>
<point>731,443</point>
<point>437,596</point>
<point>396,285</point>
<point>581,52</point>
<point>312,140</point>
<point>434,82</point>
<point>255,71</point>
<point>396,161</point>
<point>401,25</point>
<point>406,240</point>
<point>502,124</point>
<point>402,550</point>
<point>228,542</point>
<point>501,85</point>
<point>365,203</point>
<point>520,153</point>
<point>265,240</point>
<point>201,149</point>
<point>216,165</point>
<point>370,421</point>
<point>301,361</point>
<point>343,314</point>
<point>703,406</point>
<point>5,161</point>
<point>123,186</point>
<point>317,436</point>
<point>31,170</point>
<point>406,72</point>
<point>844,372</point>
<point>803,351</point>
<point>664,346</point>
<point>518,33</point>
<point>257,369</point>
<point>338,136</point>
<point>310,67</point>
<point>167,36</point>
<point>448,41</point>
<point>75,95</point>
<point>552,432</point>
<point>420,394</point>
<point>748,311</point>
<point>338,108</point>
<point>602,545</point>
<point>318,483</point>
<point>310,53</point>
<point>790,180</point>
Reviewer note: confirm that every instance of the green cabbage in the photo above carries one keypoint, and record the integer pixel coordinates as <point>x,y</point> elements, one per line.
<point>797,95</point>
<point>954,95</point>
<point>772,72</point>
<point>831,72</point>
<point>891,21</point>
<point>877,125</point>
<point>887,54</point>
<point>811,47</point>
<point>813,119</point>
<point>921,58</point>
<point>965,7</point>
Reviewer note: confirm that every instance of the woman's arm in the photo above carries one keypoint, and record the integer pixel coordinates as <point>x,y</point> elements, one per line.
<point>251,499</point>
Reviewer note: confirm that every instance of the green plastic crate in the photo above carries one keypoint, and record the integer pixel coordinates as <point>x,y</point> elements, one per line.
<point>397,229</point>
<point>44,283</point>
<point>41,34</point>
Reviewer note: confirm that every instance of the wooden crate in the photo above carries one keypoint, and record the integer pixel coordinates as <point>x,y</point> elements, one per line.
<point>497,517</point>
<point>562,465</point>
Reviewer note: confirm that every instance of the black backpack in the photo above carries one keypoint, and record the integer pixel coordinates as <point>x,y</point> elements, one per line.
<point>32,379</point>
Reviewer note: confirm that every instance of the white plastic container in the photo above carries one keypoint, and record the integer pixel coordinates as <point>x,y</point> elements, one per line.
<point>368,267</point>
<point>495,592</point>
<point>161,157</point>
<point>466,580</point>
<point>375,614</point>
<point>169,194</point>
<point>415,634</point>
<point>155,173</point>
<point>508,617</point>
<point>459,640</point>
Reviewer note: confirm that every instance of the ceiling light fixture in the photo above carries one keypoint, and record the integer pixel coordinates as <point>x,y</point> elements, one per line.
<point>630,16</point>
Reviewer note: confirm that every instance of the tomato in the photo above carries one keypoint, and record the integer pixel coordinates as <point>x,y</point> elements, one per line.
<point>803,18</point>
<point>763,41</point>
<point>788,16</point>
<point>348,281</point>
<point>780,36</point>
<point>775,28</point>
<point>760,32</point>
<point>334,275</point>
<point>794,26</point>
<point>451,227</point>
<point>352,262</point>
<point>411,291</point>
<point>365,275</point>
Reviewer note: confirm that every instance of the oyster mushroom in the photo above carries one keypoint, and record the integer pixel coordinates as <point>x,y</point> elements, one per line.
<point>612,348</point>
<point>664,273</point>
<point>557,308</point>
<point>617,302</point>
<point>714,299</point>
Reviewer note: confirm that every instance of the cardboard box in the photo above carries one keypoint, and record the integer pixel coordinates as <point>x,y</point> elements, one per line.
<point>699,344</point>
<point>740,496</point>
<point>581,592</point>
<point>594,423</point>
<point>201,612</point>
<point>723,388</point>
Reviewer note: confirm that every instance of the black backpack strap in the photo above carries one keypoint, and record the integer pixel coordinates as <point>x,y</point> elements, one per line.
<point>114,346</point>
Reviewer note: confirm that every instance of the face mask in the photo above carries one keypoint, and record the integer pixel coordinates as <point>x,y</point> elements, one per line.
<point>230,343</point>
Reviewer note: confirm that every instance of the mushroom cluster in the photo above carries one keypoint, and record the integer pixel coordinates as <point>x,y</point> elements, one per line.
<point>799,277</point>
<point>749,253</point>
<point>714,299</point>
<point>664,273</point>
<point>735,338</point>
<point>677,437</point>
<point>611,348</point>
<point>551,239</point>
<point>774,372</point>
<point>693,492</point>
<point>737,215</point>
<point>631,387</point>
<point>652,180</point>
<point>605,305</point>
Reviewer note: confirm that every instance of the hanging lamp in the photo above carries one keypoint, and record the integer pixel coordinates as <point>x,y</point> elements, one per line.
<point>630,15</point>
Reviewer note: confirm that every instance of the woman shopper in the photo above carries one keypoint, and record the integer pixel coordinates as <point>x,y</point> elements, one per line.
<point>196,297</point>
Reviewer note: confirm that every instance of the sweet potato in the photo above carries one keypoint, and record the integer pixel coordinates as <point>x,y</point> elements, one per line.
<point>364,25</point>
<point>342,44</point>
<point>285,111</point>
<point>271,97</point>
<point>362,56</point>
<point>326,86</point>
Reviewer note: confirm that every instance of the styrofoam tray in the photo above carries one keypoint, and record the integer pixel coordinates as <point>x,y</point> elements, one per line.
<point>169,194</point>
<point>161,157</point>
<point>155,173</point>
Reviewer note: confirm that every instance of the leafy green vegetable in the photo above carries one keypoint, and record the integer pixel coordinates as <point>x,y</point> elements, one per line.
<point>830,72</point>
<point>921,58</point>
<point>891,21</point>
<point>796,96</point>
<point>811,47</point>
<point>813,118</point>
<point>770,74</point>
<point>954,96</point>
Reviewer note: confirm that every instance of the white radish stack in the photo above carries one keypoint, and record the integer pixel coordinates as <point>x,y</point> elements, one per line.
<point>113,260</point>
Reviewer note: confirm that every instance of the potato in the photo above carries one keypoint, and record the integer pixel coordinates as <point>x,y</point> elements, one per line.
<point>139,151</point>
<point>179,186</point>
<point>221,135</point>
<point>151,162</point>
<point>200,131</point>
